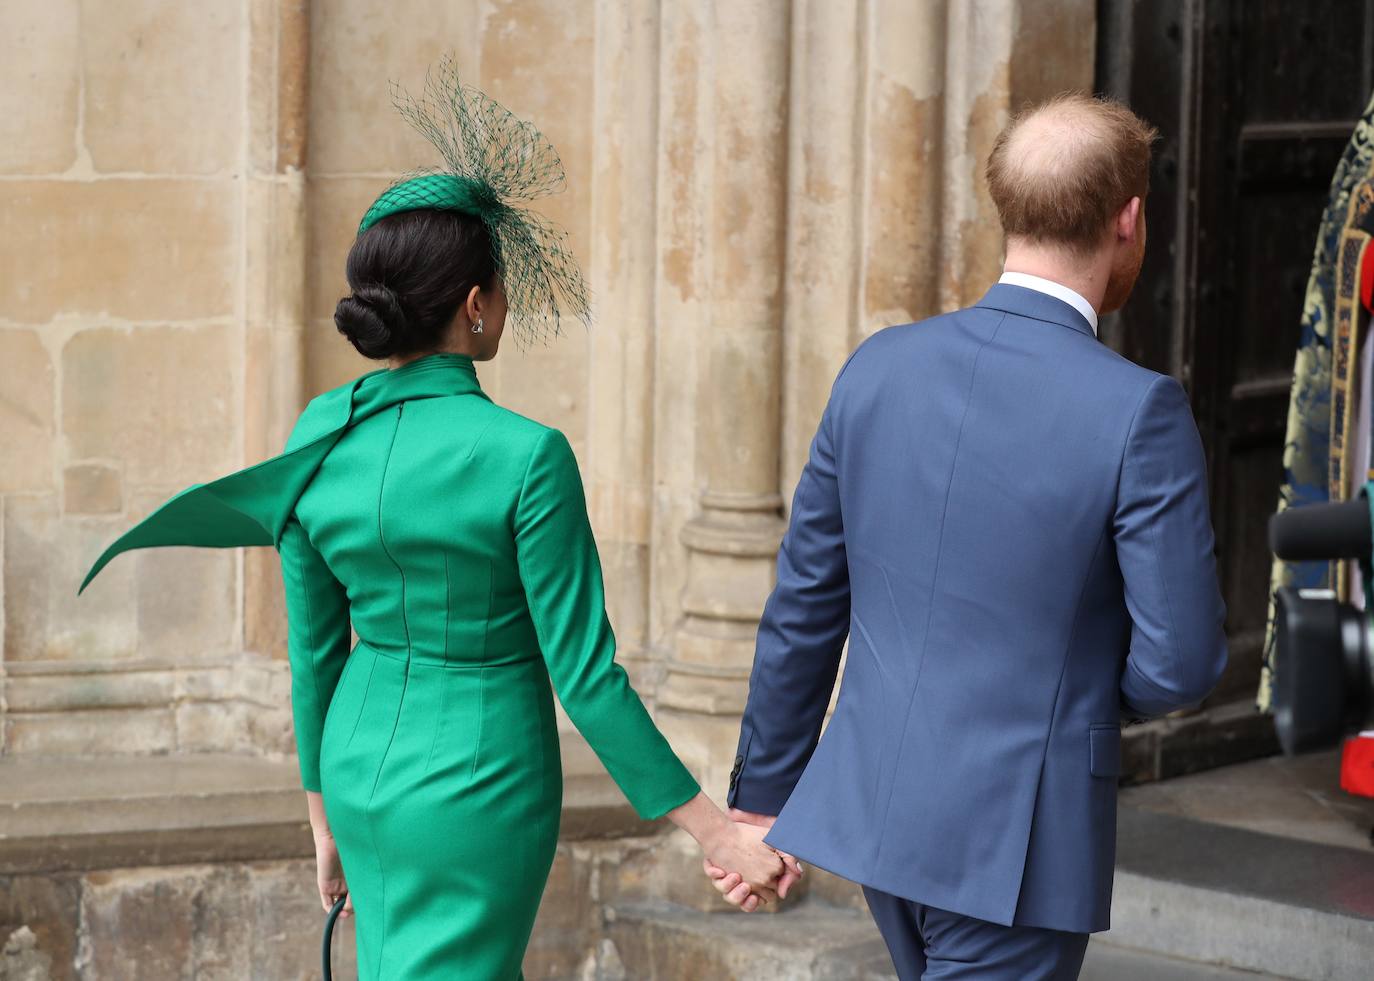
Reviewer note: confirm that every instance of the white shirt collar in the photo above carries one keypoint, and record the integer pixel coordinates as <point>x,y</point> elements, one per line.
<point>1057,290</point>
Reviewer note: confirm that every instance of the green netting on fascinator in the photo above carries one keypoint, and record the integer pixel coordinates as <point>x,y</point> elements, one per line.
<point>492,159</point>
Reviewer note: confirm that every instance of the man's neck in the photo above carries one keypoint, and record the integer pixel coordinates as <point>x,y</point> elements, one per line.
<point>1086,277</point>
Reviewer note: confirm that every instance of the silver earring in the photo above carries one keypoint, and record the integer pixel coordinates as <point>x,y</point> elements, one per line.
<point>477,327</point>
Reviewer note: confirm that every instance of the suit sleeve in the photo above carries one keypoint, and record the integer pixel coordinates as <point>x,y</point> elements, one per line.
<point>800,639</point>
<point>561,573</point>
<point>317,641</point>
<point>1164,546</point>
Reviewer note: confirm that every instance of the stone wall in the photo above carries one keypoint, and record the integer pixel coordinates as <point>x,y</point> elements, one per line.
<point>141,197</point>
<point>752,187</point>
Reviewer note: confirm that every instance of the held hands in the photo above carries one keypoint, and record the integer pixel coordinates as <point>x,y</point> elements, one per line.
<point>742,886</point>
<point>750,872</point>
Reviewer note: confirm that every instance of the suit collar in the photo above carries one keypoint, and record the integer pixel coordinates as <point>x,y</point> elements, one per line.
<point>1030,303</point>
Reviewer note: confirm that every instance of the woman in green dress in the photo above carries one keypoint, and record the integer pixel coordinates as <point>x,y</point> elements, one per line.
<point>452,536</point>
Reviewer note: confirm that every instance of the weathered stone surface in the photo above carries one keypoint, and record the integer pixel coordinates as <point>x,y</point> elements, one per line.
<point>186,601</point>
<point>47,906</point>
<point>45,559</point>
<point>27,405</point>
<point>158,398</point>
<point>187,86</point>
<point>91,731</point>
<point>40,75</point>
<point>92,488</point>
<point>134,249</point>
<point>336,206</point>
<point>22,960</point>
<point>353,127</point>
<point>205,921</point>
<point>57,692</point>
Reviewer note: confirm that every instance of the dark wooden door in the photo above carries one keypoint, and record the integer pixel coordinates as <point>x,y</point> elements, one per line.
<point>1255,100</point>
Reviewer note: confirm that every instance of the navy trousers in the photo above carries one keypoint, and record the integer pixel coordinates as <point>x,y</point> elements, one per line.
<point>929,944</point>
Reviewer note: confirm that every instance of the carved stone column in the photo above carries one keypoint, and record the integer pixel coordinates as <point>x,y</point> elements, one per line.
<point>620,423</point>
<point>737,264</point>
<point>275,273</point>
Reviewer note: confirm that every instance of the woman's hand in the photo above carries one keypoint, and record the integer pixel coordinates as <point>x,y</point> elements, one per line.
<point>739,848</point>
<point>329,874</point>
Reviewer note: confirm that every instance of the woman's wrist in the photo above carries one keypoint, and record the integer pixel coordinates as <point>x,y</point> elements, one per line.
<point>703,820</point>
<point>319,823</point>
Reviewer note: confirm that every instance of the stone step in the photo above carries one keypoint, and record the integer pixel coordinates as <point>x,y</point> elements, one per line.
<point>1241,898</point>
<point>813,941</point>
<point>659,941</point>
<point>84,813</point>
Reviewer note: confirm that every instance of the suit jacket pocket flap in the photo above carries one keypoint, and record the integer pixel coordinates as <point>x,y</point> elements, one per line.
<point>1104,750</point>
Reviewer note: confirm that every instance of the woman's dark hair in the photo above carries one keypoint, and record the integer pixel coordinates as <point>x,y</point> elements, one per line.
<point>409,274</point>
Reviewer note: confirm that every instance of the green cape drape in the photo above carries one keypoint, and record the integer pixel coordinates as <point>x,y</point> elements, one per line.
<point>251,507</point>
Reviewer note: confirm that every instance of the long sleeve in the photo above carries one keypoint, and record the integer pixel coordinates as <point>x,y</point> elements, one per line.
<point>1164,546</point>
<point>801,637</point>
<point>561,573</point>
<point>317,642</point>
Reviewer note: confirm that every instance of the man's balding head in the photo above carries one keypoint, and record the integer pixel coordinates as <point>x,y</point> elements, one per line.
<point>1061,171</point>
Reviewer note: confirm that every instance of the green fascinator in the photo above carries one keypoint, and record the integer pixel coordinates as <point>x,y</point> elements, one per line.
<point>493,160</point>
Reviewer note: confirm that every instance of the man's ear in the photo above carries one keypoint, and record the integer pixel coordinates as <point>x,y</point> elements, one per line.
<point>1128,219</point>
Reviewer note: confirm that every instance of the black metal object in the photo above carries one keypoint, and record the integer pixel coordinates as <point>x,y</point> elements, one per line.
<point>325,951</point>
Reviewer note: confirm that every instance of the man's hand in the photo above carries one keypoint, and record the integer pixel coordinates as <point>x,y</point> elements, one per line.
<point>732,886</point>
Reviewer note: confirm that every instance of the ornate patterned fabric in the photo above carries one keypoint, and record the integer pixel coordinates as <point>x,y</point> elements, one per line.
<point>1316,454</point>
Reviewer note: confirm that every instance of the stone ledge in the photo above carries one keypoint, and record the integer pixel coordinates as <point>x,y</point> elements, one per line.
<point>68,814</point>
<point>1177,745</point>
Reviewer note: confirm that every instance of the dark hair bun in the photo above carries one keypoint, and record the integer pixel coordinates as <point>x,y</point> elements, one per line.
<point>372,319</point>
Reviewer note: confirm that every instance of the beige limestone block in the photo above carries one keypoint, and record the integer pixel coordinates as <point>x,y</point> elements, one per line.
<point>92,488</point>
<point>91,732</point>
<point>356,47</point>
<point>45,559</point>
<point>264,607</point>
<point>213,727</point>
<point>132,249</point>
<point>158,398</point>
<point>27,402</point>
<point>546,384</point>
<point>330,360</point>
<point>337,204</point>
<point>273,373</point>
<point>278,84</point>
<point>218,922</point>
<point>275,249</point>
<point>186,601</point>
<point>555,92</point>
<point>163,85</point>
<point>40,83</point>
<point>80,690</point>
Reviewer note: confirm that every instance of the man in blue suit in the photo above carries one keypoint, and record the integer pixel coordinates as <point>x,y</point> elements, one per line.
<point>1009,522</point>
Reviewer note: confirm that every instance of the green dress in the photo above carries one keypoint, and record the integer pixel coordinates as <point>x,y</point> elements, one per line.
<point>453,534</point>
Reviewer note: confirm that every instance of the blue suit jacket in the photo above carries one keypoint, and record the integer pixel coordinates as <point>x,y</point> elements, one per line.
<point>1010,523</point>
